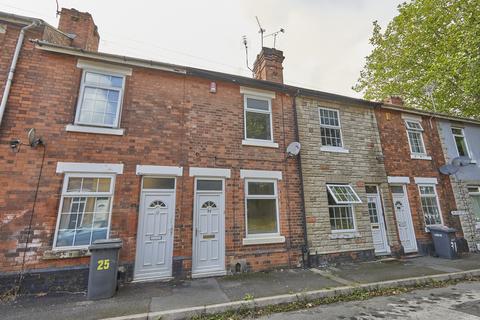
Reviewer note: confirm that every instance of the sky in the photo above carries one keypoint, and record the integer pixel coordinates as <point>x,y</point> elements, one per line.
<point>325,41</point>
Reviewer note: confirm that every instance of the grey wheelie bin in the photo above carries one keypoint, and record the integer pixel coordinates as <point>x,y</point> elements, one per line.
<point>102,278</point>
<point>444,241</point>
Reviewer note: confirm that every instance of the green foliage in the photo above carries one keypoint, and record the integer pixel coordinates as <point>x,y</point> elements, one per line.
<point>429,42</point>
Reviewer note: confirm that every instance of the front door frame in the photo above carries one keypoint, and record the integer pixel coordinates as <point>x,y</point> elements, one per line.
<point>410,218</point>
<point>141,211</point>
<point>222,271</point>
<point>381,217</point>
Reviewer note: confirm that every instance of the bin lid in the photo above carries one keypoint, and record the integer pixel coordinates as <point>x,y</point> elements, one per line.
<point>441,229</point>
<point>106,244</point>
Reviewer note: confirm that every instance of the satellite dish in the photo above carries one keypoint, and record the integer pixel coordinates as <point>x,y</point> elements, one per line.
<point>31,136</point>
<point>461,161</point>
<point>33,141</point>
<point>293,148</point>
<point>449,169</point>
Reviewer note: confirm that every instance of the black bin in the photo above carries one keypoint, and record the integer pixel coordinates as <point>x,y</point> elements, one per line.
<point>444,241</point>
<point>102,278</point>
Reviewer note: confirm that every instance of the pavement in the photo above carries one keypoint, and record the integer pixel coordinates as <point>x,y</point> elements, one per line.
<point>457,302</point>
<point>177,299</point>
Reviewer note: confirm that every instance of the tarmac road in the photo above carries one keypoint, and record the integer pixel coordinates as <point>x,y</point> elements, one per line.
<point>458,302</point>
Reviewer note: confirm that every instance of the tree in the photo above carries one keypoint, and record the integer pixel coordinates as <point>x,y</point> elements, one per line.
<point>430,42</point>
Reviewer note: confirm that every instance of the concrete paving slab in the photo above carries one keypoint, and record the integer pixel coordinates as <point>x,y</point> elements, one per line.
<point>382,271</point>
<point>273,283</point>
<point>198,292</point>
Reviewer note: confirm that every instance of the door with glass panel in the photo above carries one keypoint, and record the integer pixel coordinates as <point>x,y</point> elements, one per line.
<point>155,229</point>
<point>377,221</point>
<point>208,228</point>
<point>403,215</point>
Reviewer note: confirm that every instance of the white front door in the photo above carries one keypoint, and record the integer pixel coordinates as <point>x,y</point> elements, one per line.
<point>403,214</point>
<point>155,236</point>
<point>208,231</point>
<point>377,221</point>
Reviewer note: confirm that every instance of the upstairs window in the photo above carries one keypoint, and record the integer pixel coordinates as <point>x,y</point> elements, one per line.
<point>415,137</point>
<point>330,131</point>
<point>85,210</point>
<point>100,99</point>
<point>430,205</point>
<point>340,207</point>
<point>460,142</point>
<point>258,118</point>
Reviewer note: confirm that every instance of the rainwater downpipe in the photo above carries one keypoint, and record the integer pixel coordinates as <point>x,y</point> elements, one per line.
<point>13,65</point>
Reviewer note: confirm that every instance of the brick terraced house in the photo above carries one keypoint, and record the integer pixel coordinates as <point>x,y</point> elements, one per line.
<point>413,155</point>
<point>188,167</point>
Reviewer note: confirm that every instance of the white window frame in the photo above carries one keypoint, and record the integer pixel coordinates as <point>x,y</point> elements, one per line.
<point>476,194</point>
<point>261,142</point>
<point>329,187</point>
<point>83,194</point>
<point>116,124</point>
<point>416,155</point>
<point>469,154</point>
<point>339,127</point>
<point>275,196</point>
<point>342,204</point>
<point>437,201</point>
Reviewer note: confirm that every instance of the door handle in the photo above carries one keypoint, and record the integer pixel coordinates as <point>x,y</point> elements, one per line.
<point>196,232</point>
<point>171,230</point>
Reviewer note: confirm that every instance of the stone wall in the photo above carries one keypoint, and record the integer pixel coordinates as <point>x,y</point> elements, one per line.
<point>360,166</point>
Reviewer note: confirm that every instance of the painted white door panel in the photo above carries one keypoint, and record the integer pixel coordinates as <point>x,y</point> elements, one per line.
<point>155,237</point>
<point>377,224</point>
<point>404,222</point>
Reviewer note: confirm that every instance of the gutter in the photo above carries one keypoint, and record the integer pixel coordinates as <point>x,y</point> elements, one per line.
<point>13,66</point>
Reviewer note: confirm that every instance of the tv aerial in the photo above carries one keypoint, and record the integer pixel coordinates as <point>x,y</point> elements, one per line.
<point>293,149</point>
<point>273,34</point>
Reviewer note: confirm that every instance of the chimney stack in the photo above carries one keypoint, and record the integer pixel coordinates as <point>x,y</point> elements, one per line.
<point>395,100</point>
<point>81,26</point>
<point>268,65</point>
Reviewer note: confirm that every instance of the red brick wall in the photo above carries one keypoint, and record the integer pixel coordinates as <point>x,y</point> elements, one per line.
<point>169,119</point>
<point>398,162</point>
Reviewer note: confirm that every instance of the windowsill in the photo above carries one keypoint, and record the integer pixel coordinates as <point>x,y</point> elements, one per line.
<point>263,240</point>
<point>334,149</point>
<point>96,130</point>
<point>420,157</point>
<point>65,254</point>
<point>267,144</point>
<point>344,235</point>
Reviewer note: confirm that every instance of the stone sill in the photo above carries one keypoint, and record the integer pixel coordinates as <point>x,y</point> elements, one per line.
<point>266,144</point>
<point>345,235</point>
<point>263,240</point>
<point>65,254</point>
<point>420,157</point>
<point>95,130</point>
<point>334,149</point>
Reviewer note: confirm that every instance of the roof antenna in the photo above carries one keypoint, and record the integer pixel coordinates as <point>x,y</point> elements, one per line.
<point>261,30</point>
<point>58,9</point>
<point>246,52</point>
<point>274,35</point>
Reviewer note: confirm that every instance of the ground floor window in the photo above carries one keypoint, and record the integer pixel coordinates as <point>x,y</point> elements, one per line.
<point>85,209</point>
<point>262,207</point>
<point>340,207</point>
<point>430,205</point>
<point>474,193</point>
